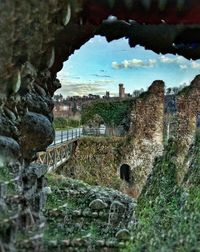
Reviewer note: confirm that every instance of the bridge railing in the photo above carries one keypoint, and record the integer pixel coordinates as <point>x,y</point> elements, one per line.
<point>71,134</point>
<point>67,135</point>
<point>99,131</point>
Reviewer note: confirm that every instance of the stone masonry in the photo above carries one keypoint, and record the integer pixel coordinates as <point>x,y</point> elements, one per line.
<point>145,139</point>
<point>188,107</point>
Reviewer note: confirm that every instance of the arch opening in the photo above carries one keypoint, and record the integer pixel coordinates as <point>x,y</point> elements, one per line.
<point>125,173</point>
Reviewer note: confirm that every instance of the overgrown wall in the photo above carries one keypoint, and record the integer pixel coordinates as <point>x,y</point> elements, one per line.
<point>96,161</point>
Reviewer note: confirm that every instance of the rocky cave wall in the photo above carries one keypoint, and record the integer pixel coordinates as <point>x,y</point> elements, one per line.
<point>29,31</point>
<point>36,38</point>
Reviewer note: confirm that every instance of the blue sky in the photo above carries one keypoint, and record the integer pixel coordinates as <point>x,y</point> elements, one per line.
<point>99,66</point>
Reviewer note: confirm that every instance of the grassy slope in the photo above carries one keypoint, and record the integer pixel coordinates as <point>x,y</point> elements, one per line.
<point>169,215</point>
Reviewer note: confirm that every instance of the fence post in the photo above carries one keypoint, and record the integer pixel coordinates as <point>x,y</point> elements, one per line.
<point>72,133</point>
<point>61,136</point>
<point>67,135</point>
<point>54,159</point>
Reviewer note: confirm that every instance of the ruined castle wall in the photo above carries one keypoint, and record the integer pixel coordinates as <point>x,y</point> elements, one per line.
<point>96,161</point>
<point>145,140</point>
<point>188,107</point>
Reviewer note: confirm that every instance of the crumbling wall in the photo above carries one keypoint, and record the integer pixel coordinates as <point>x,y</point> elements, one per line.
<point>145,140</point>
<point>95,161</point>
<point>188,107</point>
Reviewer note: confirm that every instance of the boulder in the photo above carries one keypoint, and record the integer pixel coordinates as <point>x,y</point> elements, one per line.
<point>98,204</point>
<point>9,148</point>
<point>37,134</point>
<point>123,234</point>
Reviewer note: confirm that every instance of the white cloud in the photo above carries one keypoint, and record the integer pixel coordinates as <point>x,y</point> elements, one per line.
<point>183,66</point>
<point>165,59</point>
<point>134,63</point>
<point>72,88</point>
<point>180,61</point>
<point>195,64</point>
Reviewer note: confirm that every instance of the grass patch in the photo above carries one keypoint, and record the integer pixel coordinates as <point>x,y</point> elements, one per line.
<point>168,214</point>
<point>4,174</point>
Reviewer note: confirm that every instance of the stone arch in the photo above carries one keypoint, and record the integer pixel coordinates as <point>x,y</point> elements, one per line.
<point>125,172</point>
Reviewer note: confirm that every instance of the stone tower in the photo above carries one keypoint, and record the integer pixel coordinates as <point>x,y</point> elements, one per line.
<point>121,90</point>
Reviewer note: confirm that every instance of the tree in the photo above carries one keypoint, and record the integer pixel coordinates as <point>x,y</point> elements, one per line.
<point>169,90</point>
<point>110,112</point>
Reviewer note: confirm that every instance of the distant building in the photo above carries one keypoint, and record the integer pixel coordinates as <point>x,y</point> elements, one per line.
<point>71,106</point>
<point>121,91</point>
<point>107,94</point>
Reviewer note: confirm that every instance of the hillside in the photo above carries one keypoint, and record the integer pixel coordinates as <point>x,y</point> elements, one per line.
<point>168,213</point>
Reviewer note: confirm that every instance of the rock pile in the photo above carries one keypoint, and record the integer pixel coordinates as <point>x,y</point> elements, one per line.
<point>87,218</point>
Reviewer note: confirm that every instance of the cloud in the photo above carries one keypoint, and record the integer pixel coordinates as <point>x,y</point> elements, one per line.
<point>73,88</point>
<point>101,76</point>
<point>180,61</point>
<point>183,66</point>
<point>195,64</point>
<point>67,75</point>
<point>134,63</point>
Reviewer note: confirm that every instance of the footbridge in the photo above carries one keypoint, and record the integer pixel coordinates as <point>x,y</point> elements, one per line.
<point>64,143</point>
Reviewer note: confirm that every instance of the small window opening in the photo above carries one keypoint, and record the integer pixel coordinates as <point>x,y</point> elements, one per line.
<point>125,172</point>
<point>198,121</point>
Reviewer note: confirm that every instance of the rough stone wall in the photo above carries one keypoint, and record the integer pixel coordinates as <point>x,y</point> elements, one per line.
<point>27,53</point>
<point>89,218</point>
<point>188,107</point>
<point>98,161</point>
<point>145,140</point>
<point>95,161</point>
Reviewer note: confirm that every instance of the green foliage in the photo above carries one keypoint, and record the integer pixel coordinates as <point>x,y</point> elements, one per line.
<point>4,174</point>
<point>112,113</point>
<point>168,214</point>
<point>64,123</point>
<point>169,226</point>
<point>96,161</point>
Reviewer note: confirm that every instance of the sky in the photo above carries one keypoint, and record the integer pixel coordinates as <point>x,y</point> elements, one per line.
<point>99,66</point>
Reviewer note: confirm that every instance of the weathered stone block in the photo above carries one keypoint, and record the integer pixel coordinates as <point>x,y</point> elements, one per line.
<point>37,138</point>
<point>98,204</point>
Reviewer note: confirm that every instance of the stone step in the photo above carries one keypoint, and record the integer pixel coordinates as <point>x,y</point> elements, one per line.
<point>81,243</point>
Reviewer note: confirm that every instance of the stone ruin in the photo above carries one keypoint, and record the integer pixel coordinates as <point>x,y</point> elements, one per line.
<point>188,108</point>
<point>36,38</point>
<point>145,140</point>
